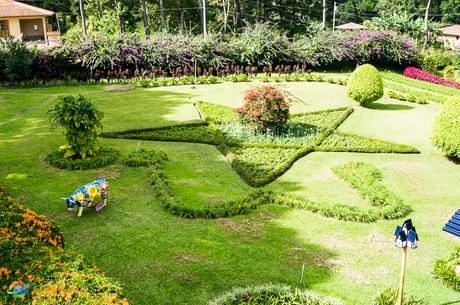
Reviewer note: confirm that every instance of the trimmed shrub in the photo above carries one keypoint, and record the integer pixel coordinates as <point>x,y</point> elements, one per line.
<point>365,85</point>
<point>272,294</point>
<point>15,60</point>
<point>390,296</point>
<point>446,129</point>
<point>444,270</point>
<point>264,107</point>
<point>104,156</point>
<point>407,97</point>
<point>144,157</point>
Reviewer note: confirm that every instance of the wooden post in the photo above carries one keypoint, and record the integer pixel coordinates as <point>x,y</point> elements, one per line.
<point>403,273</point>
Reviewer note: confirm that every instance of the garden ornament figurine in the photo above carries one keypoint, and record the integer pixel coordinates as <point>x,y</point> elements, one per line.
<point>406,237</point>
<point>85,196</point>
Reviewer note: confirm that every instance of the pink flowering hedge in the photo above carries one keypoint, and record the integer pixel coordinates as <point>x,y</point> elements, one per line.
<point>415,73</point>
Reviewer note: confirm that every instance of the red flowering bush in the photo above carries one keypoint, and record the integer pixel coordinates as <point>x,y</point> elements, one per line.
<point>264,106</point>
<point>415,73</point>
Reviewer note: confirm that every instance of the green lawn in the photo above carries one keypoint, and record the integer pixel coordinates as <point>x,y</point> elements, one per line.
<point>164,259</point>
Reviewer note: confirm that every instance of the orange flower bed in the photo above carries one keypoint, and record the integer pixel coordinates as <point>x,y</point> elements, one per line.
<point>33,252</point>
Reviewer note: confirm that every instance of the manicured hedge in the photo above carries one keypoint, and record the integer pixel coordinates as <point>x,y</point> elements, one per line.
<point>446,128</point>
<point>345,142</point>
<point>143,157</point>
<point>416,92</point>
<point>365,85</point>
<point>444,270</point>
<point>272,294</point>
<point>104,157</point>
<point>407,97</point>
<point>32,250</point>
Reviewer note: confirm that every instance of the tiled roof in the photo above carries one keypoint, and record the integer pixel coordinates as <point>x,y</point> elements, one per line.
<point>350,26</point>
<point>10,8</point>
<point>451,30</point>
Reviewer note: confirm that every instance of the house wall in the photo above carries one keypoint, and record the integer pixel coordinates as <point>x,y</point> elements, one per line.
<point>450,41</point>
<point>28,28</point>
<point>15,28</point>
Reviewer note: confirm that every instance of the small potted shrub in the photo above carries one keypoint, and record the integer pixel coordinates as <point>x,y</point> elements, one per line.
<point>365,85</point>
<point>265,108</point>
<point>81,121</point>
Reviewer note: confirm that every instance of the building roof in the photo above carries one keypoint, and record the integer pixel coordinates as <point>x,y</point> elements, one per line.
<point>348,26</point>
<point>10,8</point>
<point>451,30</point>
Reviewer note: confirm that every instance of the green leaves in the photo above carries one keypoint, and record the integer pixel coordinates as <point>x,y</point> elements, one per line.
<point>81,121</point>
<point>446,128</point>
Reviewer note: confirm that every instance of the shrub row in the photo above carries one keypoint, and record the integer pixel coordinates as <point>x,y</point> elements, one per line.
<point>446,129</point>
<point>104,156</point>
<point>407,97</point>
<point>418,93</point>
<point>122,57</point>
<point>194,133</point>
<point>444,270</point>
<point>272,294</point>
<point>33,251</point>
<point>415,73</point>
<point>143,157</point>
<point>345,142</point>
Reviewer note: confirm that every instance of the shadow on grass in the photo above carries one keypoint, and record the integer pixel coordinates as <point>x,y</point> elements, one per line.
<point>380,106</point>
<point>451,303</point>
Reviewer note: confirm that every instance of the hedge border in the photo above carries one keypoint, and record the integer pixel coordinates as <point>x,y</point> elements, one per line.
<point>169,201</point>
<point>105,156</point>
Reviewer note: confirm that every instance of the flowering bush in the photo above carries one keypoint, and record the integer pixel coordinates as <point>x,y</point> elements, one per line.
<point>259,48</point>
<point>32,251</point>
<point>264,106</point>
<point>415,73</point>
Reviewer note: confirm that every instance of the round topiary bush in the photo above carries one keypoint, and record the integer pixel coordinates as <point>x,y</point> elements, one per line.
<point>365,85</point>
<point>446,129</point>
<point>264,107</point>
<point>272,294</point>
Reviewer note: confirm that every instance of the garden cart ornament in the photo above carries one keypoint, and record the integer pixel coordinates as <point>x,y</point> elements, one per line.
<point>406,237</point>
<point>85,196</point>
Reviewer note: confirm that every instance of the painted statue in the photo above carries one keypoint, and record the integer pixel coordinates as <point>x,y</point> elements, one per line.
<point>88,194</point>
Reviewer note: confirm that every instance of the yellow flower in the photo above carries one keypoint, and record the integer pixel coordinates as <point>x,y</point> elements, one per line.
<point>93,191</point>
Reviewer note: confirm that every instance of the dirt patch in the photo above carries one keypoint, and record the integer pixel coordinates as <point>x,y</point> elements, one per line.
<point>248,230</point>
<point>110,173</point>
<point>298,256</point>
<point>191,258</point>
<point>118,88</point>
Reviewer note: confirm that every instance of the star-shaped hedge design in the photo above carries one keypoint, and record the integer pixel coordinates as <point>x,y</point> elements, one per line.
<point>260,159</point>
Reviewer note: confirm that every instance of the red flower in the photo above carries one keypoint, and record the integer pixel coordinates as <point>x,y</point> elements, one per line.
<point>415,73</point>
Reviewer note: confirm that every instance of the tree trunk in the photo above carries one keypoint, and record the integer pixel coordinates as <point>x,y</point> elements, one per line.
<point>162,15</point>
<point>425,43</point>
<point>146,22</point>
<point>238,13</point>
<point>182,12</point>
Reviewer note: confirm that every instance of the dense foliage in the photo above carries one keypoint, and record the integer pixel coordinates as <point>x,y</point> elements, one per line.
<point>390,296</point>
<point>265,107</point>
<point>272,294</point>
<point>444,270</point>
<point>15,60</point>
<point>33,251</point>
<point>81,121</point>
<point>365,85</point>
<point>446,128</point>
<point>415,73</point>
<point>120,57</point>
